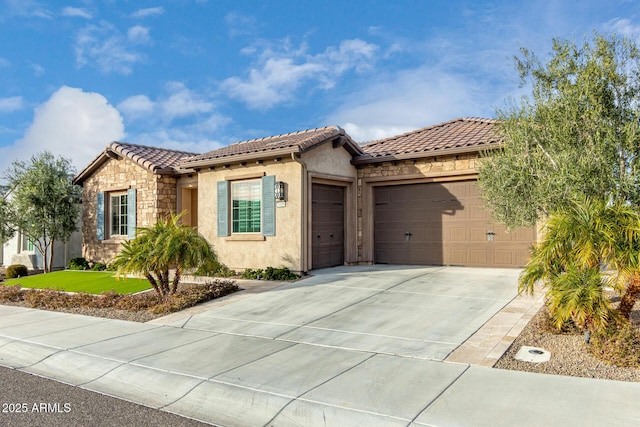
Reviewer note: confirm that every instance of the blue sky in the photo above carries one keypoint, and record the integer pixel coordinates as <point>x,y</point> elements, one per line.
<point>195,75</point>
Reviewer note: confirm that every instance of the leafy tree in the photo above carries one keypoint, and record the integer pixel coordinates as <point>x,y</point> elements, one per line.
<point>577,134</point>
<point>40,202</point>
<point>578,240</point>
<point>155,250</point>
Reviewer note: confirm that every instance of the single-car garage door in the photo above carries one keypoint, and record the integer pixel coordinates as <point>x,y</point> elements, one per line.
<point>443,224</point>
<point>327,225</point>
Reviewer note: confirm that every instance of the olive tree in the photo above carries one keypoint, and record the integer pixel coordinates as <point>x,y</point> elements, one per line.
<point>577,133</point>
<point>41,202</point>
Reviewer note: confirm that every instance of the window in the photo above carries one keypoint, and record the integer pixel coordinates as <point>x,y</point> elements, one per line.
<point>27,244</point>
<point>246,199</point>
<point>246,206</point>
<point>116,214</point>
<point>119,214</point>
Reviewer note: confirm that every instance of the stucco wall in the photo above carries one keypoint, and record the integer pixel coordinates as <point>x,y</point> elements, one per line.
<point>444,168</point>
<point>328,160</point>
<point>332,166</point>
<point>155,197</point>
<point>239,251</point>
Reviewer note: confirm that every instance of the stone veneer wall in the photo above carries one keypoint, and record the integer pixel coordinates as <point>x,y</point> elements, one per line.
<point>430,167</point>
<point>156,197</point>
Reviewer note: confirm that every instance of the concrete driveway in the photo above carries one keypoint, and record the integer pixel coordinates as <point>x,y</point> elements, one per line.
<point>424,312</point>
<point>348,346</point>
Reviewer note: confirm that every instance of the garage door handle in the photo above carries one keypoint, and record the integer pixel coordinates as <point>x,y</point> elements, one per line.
<point>407,236</point>
<point>318,236</point>
<point>331,235</point>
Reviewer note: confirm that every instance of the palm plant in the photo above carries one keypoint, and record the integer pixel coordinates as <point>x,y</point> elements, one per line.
<point>155,250</point>
<point>579,240</point>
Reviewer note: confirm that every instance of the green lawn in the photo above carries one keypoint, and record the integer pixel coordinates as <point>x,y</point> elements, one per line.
<point>93,282</point>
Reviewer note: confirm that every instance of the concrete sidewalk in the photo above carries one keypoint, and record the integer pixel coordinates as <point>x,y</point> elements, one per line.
<point>340,348</point>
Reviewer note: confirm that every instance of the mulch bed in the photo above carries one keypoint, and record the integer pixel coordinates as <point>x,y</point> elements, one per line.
<point>570,353</point>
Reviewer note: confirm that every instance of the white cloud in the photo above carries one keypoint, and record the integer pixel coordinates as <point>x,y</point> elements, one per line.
<point>183,102</point>
<point>71,123</point>
<point>410,100</point>
<point>26,8</point>
<point>5,63</point>
<point>76,11</point>
<point>623,27</point>
<point>38,70</point>
<point>240,25</point>
<point>136,106</point>
<point>103,46</point>
<point>177,102</point>
<point>278,74</point>
<point>150,11</point>
<point>10,104</point>
<point>138,34</point>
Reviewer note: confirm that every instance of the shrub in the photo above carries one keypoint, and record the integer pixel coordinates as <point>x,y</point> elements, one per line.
<point>212,267</point>
<point>250,273</point>
<point>99,266</point>
<point>79,263</point>
<point>16,270</point>
<point>617,345</point>
<point>270,273</point>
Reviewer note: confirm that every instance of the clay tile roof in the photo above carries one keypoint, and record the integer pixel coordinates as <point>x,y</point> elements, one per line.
<point>295,142</point>
<point>459,135</point>
<point>156,160</point>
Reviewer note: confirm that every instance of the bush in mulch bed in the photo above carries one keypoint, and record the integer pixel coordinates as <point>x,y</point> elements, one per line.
<point>186,296</point>
<point>618,346</point>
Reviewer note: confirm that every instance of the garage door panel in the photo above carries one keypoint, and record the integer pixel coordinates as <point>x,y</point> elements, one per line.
<point>503,257</point>
<point>327,225</point>
<point>448,225</point>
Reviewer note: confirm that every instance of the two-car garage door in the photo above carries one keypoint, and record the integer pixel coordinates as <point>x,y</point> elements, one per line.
<point>443,224</point>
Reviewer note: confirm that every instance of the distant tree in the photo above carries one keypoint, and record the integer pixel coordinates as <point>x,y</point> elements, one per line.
<point>40,202</point>
<point>577,134</point>
<point>155,250</point>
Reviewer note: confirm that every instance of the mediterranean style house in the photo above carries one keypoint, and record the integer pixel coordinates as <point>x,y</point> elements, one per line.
<point>310,199</point>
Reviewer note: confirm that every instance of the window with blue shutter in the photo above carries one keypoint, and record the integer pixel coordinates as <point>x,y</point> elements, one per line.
<point>223,208</point>
<point>268,206</point>
<point>100,217</point>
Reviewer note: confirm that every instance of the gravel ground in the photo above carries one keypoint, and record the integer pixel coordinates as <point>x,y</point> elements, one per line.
<point>23,396</point>
<point>569,353</point>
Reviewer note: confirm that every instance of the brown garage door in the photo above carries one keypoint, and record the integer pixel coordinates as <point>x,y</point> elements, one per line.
<point>327,226</point>
<point>443,224</point>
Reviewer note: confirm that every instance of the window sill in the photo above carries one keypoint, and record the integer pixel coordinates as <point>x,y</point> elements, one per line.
<point>245,237</point>
<point>114,240</point>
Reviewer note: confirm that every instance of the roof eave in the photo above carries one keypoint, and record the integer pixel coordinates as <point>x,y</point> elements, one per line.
<point>426,154</point>
<point>239,158</point>
<point>91,168</point>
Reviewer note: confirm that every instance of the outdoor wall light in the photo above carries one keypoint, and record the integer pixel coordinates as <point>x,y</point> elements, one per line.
<point>279,191</point>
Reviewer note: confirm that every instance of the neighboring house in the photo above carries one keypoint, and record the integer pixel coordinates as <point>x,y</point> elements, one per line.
<point>20,250</point>
<point>310,199</point>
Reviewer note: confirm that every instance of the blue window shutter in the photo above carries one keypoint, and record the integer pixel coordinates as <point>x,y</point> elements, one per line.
<point>131,213</point>
<point>268,206</point>
<point>223,208</point>
<point>100,217</point>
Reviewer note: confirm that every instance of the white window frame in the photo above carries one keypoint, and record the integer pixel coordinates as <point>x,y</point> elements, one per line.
<point>121,215</point>
<point>26,245</point>
<point>255,195</point>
